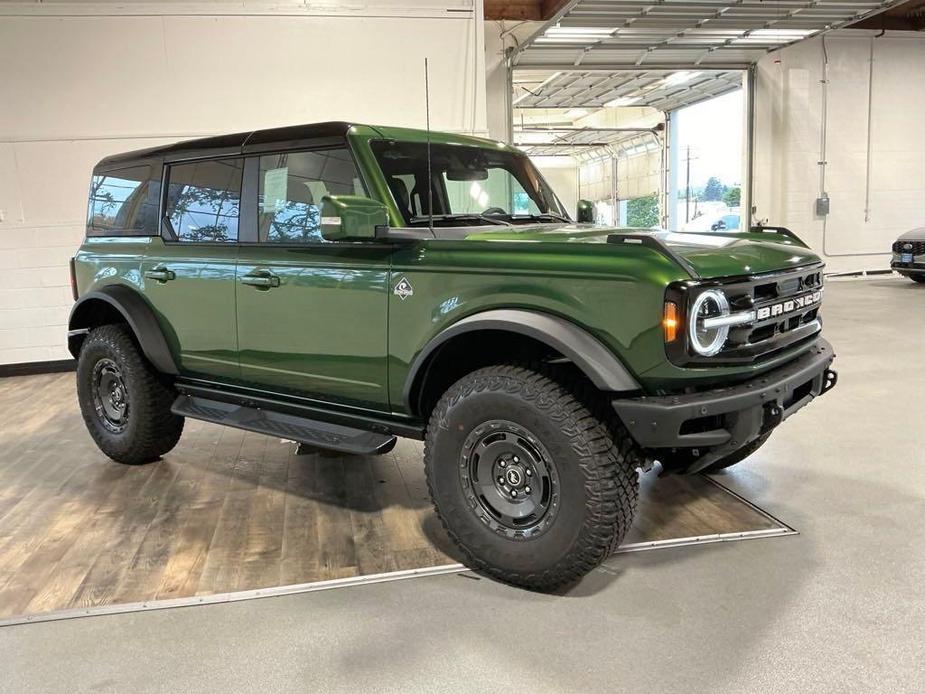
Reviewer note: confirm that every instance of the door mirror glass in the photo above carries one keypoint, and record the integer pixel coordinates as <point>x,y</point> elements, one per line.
<point>585,212</point>
<point>352,218</point>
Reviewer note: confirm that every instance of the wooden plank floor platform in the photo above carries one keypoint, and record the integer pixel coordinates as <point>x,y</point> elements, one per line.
<point>230,511</point>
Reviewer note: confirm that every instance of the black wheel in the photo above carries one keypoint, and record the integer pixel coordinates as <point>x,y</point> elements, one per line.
<point>124,402</point>
<point>920,278</point>
<point>739,455</point>
<point>533,487</point>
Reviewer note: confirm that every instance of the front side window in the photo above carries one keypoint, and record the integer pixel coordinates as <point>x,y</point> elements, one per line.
<point>204,200</point>
<point>467,185</point>
<point>123,203</point>
<point>291,188</point>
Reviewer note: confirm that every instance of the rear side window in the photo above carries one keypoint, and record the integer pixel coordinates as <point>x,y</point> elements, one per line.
<point>291,188</point>
<point>124,203</point>
<point>204,200</point>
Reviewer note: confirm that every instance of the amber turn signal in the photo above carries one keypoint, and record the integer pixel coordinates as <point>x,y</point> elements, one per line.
<point>670,321</point>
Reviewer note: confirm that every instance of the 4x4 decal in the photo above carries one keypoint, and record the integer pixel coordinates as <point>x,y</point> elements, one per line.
<point>403,289</point>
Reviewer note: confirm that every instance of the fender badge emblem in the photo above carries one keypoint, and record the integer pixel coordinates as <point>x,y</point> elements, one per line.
<point>403,289</point>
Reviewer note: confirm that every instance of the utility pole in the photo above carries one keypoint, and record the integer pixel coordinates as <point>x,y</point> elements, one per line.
<point>687,197</point>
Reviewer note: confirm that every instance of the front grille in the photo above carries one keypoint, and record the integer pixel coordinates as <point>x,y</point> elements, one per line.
<point>767,334</point>
<point>918,247</point>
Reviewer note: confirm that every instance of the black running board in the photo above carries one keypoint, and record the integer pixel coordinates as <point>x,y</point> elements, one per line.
<point>327,435</point>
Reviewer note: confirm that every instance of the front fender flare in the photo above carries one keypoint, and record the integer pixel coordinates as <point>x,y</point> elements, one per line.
<point>137,314</point>
<point>597,362</point>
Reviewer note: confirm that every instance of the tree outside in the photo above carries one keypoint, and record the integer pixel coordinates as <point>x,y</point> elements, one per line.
<point>713,190</point>
<point>733,196</point>
<point>642,212</point>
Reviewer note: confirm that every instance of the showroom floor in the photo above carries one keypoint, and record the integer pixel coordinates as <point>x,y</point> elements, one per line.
<point>228,513</point>
<point>837,608</point>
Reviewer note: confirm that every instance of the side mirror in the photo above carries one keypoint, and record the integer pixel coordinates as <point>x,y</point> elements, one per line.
<point>585,212</point>
<point>352,218</point>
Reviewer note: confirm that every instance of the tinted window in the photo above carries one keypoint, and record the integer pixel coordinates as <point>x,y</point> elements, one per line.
<point>204,199</point>
<point>291,189</point>
<point>123,203</point>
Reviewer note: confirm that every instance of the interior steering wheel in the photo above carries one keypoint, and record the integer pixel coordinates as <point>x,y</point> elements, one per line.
<point>495,210</point>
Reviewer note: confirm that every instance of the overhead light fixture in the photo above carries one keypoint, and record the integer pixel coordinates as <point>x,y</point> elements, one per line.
<point>579,31</point>
<point>575,113</point>
<point>680,77</point>
<point>622,101</point>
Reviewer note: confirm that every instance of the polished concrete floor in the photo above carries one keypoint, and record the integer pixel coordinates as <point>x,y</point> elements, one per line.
<point>838,608</point>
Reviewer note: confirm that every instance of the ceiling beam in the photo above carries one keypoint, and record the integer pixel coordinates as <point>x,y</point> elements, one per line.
<point>520,10</point>
<point>907,16</point>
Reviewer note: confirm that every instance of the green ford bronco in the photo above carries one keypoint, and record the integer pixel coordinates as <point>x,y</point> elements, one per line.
<point>341,285</point>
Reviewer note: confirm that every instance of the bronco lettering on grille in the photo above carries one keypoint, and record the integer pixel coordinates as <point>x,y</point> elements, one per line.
<point>784,307</point>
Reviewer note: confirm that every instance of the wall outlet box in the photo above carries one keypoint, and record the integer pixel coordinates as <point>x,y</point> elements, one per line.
<point>822,205</point>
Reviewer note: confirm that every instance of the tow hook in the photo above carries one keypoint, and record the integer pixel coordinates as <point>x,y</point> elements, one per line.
<point>829,379</point>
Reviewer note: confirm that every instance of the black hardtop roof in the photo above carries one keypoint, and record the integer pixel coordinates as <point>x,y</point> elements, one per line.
<point>216,145</point>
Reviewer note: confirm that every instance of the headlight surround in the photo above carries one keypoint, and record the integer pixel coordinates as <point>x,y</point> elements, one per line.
<point>711,303</point>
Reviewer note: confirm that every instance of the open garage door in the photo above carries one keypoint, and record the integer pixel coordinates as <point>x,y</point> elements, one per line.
<point>595,66</point>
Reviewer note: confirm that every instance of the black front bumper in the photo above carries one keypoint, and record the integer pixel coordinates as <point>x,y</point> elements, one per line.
<point>718,422</point>
<point>907,268</point>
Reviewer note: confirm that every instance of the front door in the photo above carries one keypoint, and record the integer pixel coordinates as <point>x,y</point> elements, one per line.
<point>312,314</point>
<point>189,276</point>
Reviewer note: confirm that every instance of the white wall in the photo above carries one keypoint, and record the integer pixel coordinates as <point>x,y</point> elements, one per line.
<point>562,174</point>
<point>499,37</point>
<point>76,88</point>
<point>788,143</point>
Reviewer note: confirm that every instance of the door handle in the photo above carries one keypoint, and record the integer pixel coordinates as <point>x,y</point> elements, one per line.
<point>261,279</point>
<point>160,274</point>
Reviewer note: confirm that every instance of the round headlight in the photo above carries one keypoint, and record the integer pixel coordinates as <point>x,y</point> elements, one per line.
<point>710,304</point>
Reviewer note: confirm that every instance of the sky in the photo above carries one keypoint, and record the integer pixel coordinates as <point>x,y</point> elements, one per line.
<point>713,129</point>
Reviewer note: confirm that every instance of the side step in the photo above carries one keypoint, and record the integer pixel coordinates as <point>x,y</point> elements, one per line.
<point>308,431</point>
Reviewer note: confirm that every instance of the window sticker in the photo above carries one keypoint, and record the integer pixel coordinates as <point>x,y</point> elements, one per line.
<point>275,189</point>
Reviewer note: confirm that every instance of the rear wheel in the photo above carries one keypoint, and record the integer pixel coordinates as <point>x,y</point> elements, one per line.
<point>919,277</point>
<point>124,401</point>
<point>534,488</point>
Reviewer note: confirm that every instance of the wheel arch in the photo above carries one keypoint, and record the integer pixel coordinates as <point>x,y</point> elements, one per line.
<point>113,302</point>
<point>559,335</point>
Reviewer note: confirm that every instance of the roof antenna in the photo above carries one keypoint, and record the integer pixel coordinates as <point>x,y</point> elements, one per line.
<point>430,180</point>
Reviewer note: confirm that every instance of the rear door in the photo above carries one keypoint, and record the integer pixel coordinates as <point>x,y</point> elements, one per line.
<point>312,314</point>
<point>189,273</point>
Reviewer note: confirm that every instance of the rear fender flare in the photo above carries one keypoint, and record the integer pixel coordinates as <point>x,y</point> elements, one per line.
<point>137,314</point>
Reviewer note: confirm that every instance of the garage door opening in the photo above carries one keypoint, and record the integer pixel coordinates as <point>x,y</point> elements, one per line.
<point>624,139</point>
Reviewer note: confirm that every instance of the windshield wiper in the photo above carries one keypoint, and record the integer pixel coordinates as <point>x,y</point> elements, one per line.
<point>542,216</point>
<point>459,215</point>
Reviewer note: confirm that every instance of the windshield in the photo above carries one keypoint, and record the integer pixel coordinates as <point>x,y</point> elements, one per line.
<point>469,185</point>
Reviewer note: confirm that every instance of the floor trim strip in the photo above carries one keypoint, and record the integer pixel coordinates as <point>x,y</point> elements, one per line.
<point>277,591</point>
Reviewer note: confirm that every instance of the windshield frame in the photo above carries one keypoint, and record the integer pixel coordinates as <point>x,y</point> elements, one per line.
<point>537,188</point>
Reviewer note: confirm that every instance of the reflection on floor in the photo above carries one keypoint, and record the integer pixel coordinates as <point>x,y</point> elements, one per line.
<point>231,511</point>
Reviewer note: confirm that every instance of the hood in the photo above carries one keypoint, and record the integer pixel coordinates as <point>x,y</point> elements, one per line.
<point>709,254</point>
<point>914,235</point>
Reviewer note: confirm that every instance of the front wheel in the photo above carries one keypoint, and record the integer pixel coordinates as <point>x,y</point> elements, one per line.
<point>124,401</point>
<point>918,277</point>
<point>534,488</point>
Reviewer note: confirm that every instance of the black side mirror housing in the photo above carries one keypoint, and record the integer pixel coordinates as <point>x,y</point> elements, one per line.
<point>585,212</point>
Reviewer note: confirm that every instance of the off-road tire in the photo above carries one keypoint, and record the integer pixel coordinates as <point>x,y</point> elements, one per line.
<point>738,456</point>
<point>150,429</point>
<point>594,458</point>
